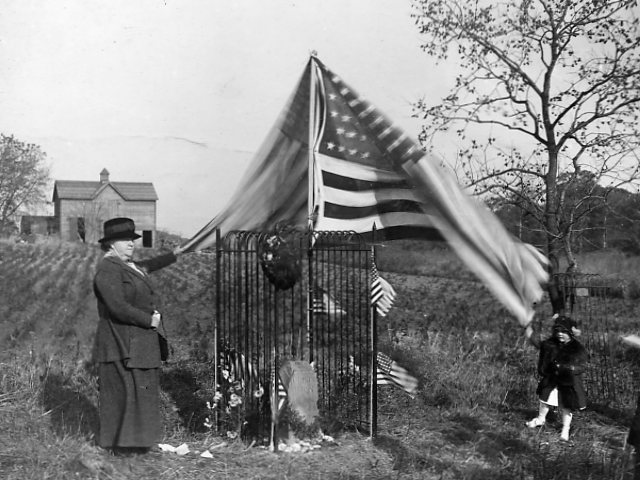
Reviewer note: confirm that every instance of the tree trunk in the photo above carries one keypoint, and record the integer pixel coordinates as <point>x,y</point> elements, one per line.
<point>604,231</point>
<point>554,244</point>
<point>572,267</point>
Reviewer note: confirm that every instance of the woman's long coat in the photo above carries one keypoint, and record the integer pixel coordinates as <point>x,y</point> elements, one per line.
<point>126,302</point>
<point>128,352</point>
<point>561,366</point>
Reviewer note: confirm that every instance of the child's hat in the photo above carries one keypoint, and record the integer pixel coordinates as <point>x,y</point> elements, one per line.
<point>566,324</point>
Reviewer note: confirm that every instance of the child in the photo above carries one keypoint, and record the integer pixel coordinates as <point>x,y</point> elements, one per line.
<point>560,366</point>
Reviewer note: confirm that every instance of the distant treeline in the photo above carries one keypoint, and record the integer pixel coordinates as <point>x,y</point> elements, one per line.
<point>604,219</point>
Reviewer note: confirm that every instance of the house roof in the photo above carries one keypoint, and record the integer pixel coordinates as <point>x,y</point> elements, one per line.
<point>85,190</point>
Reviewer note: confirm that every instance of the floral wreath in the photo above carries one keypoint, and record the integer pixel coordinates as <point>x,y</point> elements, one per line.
<point>279,260</point>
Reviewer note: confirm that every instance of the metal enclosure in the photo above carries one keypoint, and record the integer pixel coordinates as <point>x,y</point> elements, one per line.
<point>325,318</point>
<point>611,375</point>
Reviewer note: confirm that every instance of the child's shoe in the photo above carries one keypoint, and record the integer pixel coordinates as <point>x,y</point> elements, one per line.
<point>535,422</point>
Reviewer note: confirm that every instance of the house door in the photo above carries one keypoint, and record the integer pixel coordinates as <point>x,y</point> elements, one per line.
<point>147,238</point>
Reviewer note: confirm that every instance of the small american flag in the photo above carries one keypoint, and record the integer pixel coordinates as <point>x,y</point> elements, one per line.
<point>239,368</point>
<point>382,293</point>
<point>280,392</point>
<point>390,373</point>
<point>324,303</point>
<point>244,372</point>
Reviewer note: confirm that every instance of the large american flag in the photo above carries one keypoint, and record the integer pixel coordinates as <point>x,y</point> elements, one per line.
<point>364,171</point>
<point>356,183</point>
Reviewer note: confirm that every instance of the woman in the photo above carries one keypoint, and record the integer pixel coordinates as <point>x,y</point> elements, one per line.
<point>560,365</point>
<point>130,344</point>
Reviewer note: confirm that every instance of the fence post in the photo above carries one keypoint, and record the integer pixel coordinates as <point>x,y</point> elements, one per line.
<point>310,294</point>
<point>216,320</point>
<point>373,382</point>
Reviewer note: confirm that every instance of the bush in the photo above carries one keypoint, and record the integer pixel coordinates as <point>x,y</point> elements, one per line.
<point>8,229</point>
<point>633,290</point>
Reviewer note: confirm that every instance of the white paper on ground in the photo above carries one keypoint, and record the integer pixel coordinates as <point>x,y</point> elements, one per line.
<point>632,340</point>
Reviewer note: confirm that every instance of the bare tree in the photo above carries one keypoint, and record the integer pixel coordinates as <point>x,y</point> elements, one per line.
<point>23,176</point>
<point>548,96</point>
<point>91,217</point>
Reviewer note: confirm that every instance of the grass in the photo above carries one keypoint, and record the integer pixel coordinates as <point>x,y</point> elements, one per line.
<point>477,382</point>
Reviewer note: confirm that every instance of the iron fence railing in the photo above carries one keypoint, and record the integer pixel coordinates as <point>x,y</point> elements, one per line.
<point>611,377</point>
<point>325,318</point>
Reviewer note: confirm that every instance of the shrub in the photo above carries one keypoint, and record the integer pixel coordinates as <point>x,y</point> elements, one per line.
<point>633,290</point>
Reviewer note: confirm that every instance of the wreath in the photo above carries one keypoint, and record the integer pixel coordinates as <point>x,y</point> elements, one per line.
<point>280,261</point>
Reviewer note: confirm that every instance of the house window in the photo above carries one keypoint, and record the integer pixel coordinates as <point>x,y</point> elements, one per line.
<point>147,238</point>
<point>82,229</point>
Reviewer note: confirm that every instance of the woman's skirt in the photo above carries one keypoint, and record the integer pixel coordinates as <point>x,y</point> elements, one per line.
<point>129,406</point>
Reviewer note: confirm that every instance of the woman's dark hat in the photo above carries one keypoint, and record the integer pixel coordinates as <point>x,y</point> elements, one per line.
<point>119,229</point>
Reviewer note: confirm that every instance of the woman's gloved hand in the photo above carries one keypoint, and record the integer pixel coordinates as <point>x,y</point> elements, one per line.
<point>155,319</point>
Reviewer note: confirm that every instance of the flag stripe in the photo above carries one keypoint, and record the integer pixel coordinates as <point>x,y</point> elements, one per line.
<point>343,212</point>
<point>400,232</point>
<point>383,221</point>
<point>358,170</point>
<point>367,198</point>
<point>355,184</point>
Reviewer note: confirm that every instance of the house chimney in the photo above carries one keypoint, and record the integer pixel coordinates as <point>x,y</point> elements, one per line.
<point>104,176</point>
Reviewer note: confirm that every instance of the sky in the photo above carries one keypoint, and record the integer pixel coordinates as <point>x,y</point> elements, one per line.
<point>182,93</point>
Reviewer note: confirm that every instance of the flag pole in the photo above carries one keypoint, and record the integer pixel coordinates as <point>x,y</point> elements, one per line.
<point>312,128</point>
<point>311,201</point>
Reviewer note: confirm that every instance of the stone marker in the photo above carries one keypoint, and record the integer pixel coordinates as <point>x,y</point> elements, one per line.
<point>301,383</point>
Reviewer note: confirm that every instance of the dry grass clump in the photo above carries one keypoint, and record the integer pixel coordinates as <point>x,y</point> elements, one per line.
<point>36,441</point>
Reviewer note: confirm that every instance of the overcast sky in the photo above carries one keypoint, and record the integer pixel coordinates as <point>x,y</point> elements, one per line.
<point>181,93</point>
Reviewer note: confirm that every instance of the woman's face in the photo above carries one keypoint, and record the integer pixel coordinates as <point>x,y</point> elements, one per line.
<point>563,337</point>
<point>124,248</point>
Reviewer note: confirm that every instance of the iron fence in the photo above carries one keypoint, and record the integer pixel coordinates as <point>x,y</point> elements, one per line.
<point>324,318</point>
<point>611,376</point>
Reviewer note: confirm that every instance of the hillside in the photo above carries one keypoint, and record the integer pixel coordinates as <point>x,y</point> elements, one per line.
<point>476,372</point>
